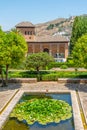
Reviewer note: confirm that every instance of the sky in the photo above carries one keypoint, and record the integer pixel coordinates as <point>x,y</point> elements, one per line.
<point>13,12</point>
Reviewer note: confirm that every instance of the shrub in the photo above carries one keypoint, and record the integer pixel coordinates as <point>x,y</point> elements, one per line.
<point>70,62</point>
<point>56,64</point>
<point>51,26</point>
<point>50,77</point>
<point>64,67</point>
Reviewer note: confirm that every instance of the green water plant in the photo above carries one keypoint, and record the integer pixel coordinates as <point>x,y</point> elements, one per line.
<point>42,110</point>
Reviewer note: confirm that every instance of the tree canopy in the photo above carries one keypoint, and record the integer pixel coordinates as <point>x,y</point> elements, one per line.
<point>12,49</point>
<point>38,60</point>
<point>79,52</point>
<point>79,29</point>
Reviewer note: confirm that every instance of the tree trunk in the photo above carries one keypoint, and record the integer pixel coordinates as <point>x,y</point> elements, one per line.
<point>37,70</point>
<point>2,77</point>
<point>6,79</point>
<point>38,75</point>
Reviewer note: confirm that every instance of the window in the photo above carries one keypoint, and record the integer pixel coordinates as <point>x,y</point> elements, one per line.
<point>61,55</point>
<point>29,32</point>
<point>29,37</point>
<point>25,32</point>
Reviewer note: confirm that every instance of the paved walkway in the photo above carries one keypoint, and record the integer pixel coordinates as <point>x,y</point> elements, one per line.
<point>5,97</point>
<point>6,93</point>
<point>68,69</point>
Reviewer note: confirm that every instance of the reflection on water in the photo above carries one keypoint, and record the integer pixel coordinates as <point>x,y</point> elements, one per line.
<point>64,125</point>
<point>13,124</point>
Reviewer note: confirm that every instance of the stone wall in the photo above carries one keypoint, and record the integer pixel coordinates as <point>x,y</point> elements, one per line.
<point>72,80</point>
<point>22,80</point>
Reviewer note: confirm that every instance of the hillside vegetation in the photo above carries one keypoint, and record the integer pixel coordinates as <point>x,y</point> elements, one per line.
<point>62,26</point>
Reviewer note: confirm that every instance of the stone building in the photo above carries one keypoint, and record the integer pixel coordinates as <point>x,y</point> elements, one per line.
<point>57,46</point>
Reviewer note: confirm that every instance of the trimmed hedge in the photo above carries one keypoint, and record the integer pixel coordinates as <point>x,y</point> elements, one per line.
<point>50,77</point>
<point>47,75</point>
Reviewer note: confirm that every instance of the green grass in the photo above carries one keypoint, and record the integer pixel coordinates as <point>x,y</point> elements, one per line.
<point>47,75</point>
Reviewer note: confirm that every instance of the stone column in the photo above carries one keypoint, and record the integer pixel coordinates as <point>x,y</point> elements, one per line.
<point>57,47</point>
<point>33,47</point>
<point>58,50</point>
<point>41,48</point>
<point>50,50</point>
<point>66,50</point>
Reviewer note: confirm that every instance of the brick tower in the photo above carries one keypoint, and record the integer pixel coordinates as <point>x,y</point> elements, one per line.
<point>27,29</point>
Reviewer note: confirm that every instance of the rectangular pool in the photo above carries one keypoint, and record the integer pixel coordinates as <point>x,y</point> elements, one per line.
<point>68,124</point>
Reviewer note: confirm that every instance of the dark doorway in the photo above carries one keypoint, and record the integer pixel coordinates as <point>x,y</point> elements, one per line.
<point>46,50</point>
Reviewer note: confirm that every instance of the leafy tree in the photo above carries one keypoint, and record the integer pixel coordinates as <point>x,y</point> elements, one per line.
<point>38,60</point>
<point>1,72</point>
<point>12,50</point>
<point>79,52</point>
<point>15,31</point>
<point>79,29</point>
<point>2,34</point>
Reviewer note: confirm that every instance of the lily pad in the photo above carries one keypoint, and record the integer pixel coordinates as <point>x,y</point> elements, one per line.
<point>43,110</point>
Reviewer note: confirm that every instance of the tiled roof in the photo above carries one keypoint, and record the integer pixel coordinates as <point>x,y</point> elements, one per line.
<point>25,24</point>
<point>47,38</point>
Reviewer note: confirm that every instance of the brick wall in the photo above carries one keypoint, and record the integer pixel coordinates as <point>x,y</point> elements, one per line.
<point>27,36</point>
<point>36,47</point>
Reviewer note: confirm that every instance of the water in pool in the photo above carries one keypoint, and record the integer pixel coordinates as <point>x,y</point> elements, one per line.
<point>14,124</point>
